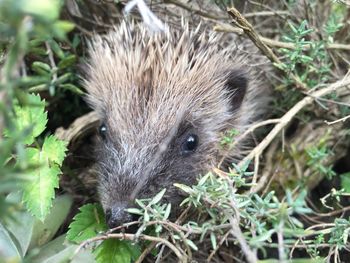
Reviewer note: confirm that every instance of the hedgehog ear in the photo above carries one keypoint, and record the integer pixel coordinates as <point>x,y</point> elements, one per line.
<point>237,84</point>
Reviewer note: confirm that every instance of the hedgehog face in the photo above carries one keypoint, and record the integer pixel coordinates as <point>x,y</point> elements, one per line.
<point>164,102</point>
<point>127,171</point>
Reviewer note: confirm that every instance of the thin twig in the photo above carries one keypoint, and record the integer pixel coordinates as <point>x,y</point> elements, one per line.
<point>223,27</point>
<point>245,134</point>
<point>52,61</point>
<point>146,252</point>
<point>339,120</point>
<point>281,246</point>
<point>223,239</point>
<point>243,23</point>
<point>237,233</point>
<point>267,13</point>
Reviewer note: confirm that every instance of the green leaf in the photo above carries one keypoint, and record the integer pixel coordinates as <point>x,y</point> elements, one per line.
<point>63,78</point>
<point>58,250</point>
<point>54,149</point>
<point>345,181</point>
<point>21,228</point>
<point>41,68</point>
<point>88,223</point>
<point>42,8</point>
<point>72,88</point>
<point>301,260</point>
<point>213,240</point>
<point>56,49</point>
<point>167,211</point>
<point>40,190</point>
<point>9,252</point>
<point>43,232</point>
<point>135,211</point>
<point>67,62</point>
<point>116,251</point>
<point>30,115</point>
<point>191,244</point>
<point>184,188</point>
<point>63,26</point>
<point>158,197</point>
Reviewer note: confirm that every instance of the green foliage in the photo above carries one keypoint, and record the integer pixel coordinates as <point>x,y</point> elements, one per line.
<point>35,59</point>
<point>345,181</point>
<point>49,76</point>
<point>317,155</point>
<point>152,210</point>
<point>30,159</point>
<point>296,55</point>
<point>89,223</point>
<point>308,260</point>
<point>263,214</point>
<point>26,167</point>
<point>340,233</point>
<point>309,59</point>
<point>44,162</point>
<point>333,25</point>
<point>24,238</point>
<point>30,116</point>
<point>229,137</point>
<point>116,251</point>
<point>39,191</point>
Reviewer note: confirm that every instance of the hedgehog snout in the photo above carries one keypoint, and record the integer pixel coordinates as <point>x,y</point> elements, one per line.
<point>117,215</point>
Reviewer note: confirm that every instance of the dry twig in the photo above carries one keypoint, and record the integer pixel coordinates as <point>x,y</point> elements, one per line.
<point>222,27</point>
<point>243,23</point>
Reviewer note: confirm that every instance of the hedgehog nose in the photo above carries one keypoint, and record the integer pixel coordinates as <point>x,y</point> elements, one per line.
<point>117,215</point>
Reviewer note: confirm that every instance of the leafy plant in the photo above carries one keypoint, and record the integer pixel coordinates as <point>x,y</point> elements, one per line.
<point>30,239</point>
<point>90,222</point>
<point>316,160</point>
<point>309,59</point>
<point>24,117</point>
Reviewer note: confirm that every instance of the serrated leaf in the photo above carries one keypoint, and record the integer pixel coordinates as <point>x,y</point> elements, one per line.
<point>54,149</point>
<point>39,191</point>
<point>87,223</point>
<point>30,115</point>
<point>116,251</point>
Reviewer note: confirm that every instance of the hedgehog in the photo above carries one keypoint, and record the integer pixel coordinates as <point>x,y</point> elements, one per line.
<point>164,101</point>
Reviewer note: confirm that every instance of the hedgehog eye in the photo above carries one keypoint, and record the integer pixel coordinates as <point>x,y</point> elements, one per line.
<point>103,131</point>
<point>190,144</point>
